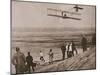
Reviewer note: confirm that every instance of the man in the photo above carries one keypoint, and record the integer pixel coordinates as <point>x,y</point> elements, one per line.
<point>29,60</point>
<point>67,48</point>
<point>19,61</point>
<point>70,52</point>
<point>74,48</point>
<point>84,43</point>
<point>63,49</point>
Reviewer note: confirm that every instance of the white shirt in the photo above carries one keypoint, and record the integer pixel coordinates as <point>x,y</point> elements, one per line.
<point>70,47</point>
<point>41,54</point>
<point>66,47</point>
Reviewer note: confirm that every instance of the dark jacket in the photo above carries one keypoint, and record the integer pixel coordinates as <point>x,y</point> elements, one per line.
<point>84,41</point>
<point>73,46</point>
<point>29,60</point>
<point>63,48</point>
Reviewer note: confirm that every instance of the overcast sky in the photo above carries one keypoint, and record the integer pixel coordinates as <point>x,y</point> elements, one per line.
<point>34,15</point>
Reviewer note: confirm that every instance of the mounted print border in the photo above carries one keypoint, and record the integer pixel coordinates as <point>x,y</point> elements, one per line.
<point>52,37</point>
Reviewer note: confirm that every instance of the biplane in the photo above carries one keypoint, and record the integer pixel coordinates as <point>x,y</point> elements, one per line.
<point>63,13</point>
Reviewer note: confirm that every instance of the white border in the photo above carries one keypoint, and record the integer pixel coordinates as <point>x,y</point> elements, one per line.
<point>5,37</point>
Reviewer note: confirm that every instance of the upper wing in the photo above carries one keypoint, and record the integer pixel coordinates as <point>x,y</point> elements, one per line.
<point>68,12</point>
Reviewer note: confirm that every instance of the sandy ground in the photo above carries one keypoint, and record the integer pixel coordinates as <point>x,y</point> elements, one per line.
<point>81,61</point>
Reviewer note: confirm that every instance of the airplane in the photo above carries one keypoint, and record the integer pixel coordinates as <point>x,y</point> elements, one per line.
<point>77,8</point>
<point>63,14</point>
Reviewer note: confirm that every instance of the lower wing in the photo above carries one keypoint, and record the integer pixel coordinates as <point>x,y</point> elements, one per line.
<point>64,17</point>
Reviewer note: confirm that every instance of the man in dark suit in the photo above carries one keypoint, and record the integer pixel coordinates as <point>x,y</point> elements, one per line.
<point>63,49</point>
<point>74,48</point>
<point>84,43</point>
<point>29,60</point>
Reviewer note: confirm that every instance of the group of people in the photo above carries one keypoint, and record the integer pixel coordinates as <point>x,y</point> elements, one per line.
<point>51,55</point>
<point>23,64</point>
<point>71,48</point>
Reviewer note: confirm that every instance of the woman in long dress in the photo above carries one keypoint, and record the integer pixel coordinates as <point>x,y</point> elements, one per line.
<point>50,57</point>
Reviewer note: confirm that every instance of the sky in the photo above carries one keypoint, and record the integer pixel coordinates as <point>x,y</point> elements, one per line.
<point>34,15</point>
